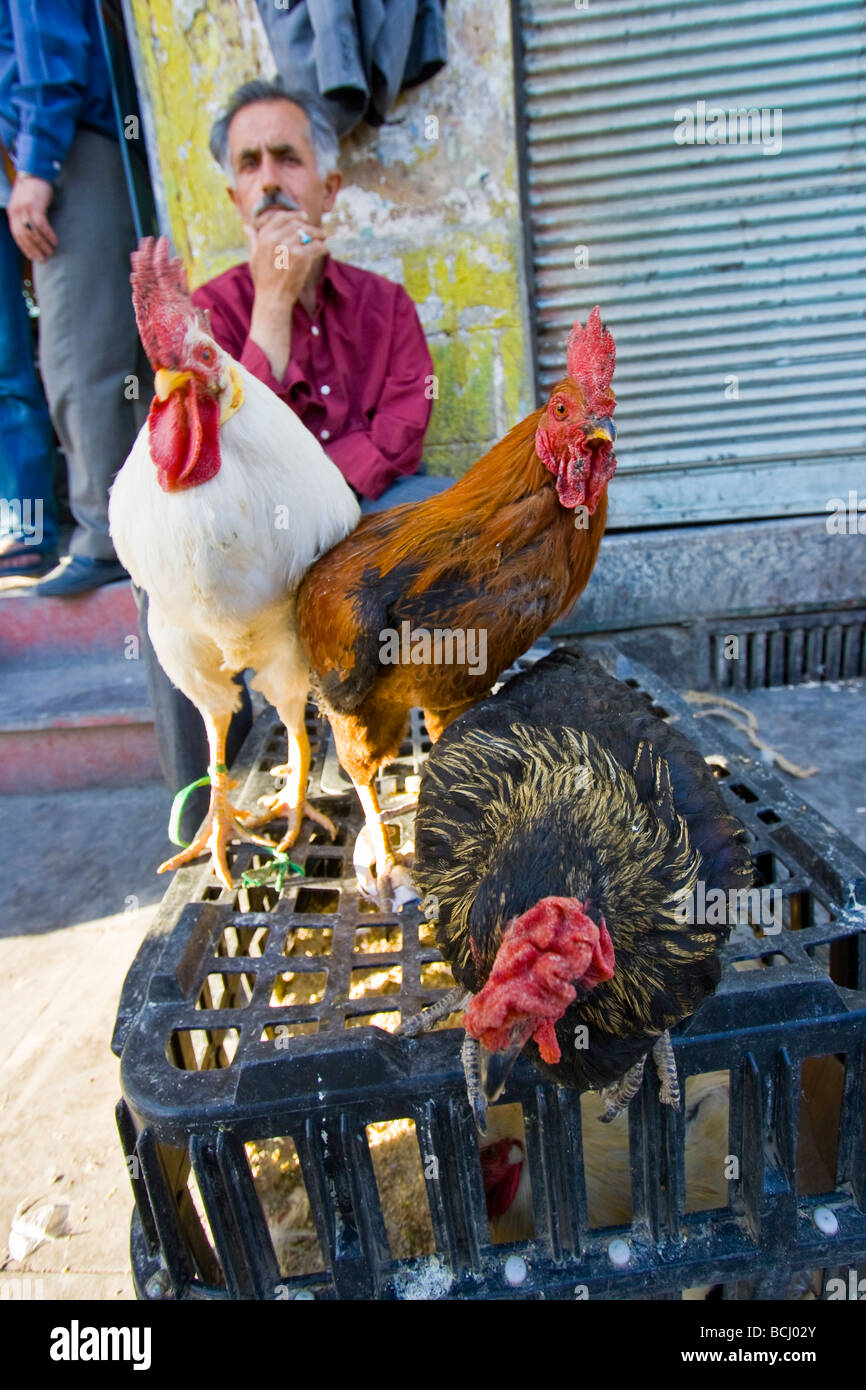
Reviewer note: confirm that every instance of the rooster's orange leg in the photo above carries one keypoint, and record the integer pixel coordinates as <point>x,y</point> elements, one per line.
<point>291,802</point>
<point>222,823</point>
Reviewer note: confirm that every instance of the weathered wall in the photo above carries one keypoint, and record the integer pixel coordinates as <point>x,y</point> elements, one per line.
<point>430,199</point>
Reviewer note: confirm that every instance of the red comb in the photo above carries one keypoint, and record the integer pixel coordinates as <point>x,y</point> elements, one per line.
<point>160,293</point>
<point>591,358</point>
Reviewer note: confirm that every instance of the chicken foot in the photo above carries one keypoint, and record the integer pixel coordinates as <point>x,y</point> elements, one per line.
<point>470,1056</point>
<point>622,1092</point>
<point>393,887</point>
<point>223,821</point>
<point>291,800</point>
<point>669,1083</point>
<point>452,1002</point>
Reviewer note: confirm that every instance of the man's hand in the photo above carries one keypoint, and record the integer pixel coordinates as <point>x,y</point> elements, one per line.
<point>28,217</point>
<point>284,249</point>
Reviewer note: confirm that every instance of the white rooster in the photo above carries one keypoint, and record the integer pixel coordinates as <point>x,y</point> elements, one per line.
<point>224,502</point>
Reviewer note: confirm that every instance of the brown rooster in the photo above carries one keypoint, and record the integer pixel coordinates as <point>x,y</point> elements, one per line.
<point>563,830</point>
<point>486,566</point>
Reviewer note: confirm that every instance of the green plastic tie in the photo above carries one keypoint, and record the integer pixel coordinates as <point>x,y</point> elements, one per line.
<point>177,806</point>
<point>281,867</point>
<point>183,796</point>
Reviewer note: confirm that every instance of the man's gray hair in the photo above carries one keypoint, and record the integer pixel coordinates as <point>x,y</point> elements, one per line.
<point>323,137</point>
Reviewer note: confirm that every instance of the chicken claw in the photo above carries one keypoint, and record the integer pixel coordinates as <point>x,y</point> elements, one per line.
<point>389,884</point>
<point>278,806</point>
<point>221,824</point>
<point>452,1002</point>
<point>669,1084</point>
<point>392,889</point>
<point>618,1096</point>
<point>470,1056</point>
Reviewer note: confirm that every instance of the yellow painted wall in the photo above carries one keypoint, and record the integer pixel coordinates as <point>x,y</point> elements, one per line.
<point>430,199</point>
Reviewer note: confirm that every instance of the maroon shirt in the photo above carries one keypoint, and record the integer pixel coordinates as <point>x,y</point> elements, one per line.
<point>357,371</point>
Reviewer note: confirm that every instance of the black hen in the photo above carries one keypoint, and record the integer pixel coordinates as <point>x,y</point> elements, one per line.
<point>561,810</point>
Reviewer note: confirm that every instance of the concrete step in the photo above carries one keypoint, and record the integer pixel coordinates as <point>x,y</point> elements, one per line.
<point>74,706</point>
<point>99,621</point>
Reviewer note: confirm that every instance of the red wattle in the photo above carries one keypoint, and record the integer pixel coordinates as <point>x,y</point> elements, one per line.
<point>501,1177</point>
<point>543,955</point>
<point>184,438</point>
<point>581,477</point>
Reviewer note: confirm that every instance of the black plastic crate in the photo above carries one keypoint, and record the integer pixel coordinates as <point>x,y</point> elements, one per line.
<point>221,1051</point>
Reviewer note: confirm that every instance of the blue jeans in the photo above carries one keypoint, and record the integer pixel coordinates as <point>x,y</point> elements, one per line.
<point>26,437</point>
<point>416,488</point>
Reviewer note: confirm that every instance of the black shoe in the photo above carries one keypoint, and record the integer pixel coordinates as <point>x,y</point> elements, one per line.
<point>77,574</point>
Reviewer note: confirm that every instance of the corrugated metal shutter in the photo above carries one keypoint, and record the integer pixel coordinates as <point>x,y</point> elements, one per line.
<point>710,261</point>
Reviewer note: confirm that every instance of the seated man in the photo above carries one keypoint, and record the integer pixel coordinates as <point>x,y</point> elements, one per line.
<point>342,346</point>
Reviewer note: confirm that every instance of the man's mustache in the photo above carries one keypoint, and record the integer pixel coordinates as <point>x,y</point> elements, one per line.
<point>275,199</point>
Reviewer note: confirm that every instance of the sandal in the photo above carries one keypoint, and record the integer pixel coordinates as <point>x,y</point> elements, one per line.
<point>18,560</point>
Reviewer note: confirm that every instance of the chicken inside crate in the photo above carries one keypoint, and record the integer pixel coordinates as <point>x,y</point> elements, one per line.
<point>289,1143</point>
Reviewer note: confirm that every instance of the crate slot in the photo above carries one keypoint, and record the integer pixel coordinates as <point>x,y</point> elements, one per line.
<point>769,868</point>
<point>279,1185</point>
<point>606,1165</point>
<point>259,897</point>
<point>379,938</point>
<point>318,900</point>
<point>706,1116</point>
<point>436,974</point>
<point>320,836</point>
<point>503,1156</point>
<point>308,941</point>
<point>398,1167</point>
<point>389,1021</point>
<point>822,1082</point>
<point>299,987</point>
<point>321,866</point>
<point>375,979</point>
<point>237,940</point>
<point>232,990</point>
<point>279,1033</point>
<point>427,933</point>
<point>202,1049</point>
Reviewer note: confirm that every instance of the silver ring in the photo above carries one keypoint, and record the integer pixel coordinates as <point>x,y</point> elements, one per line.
<point>28,225</point>
<point>305,237</point>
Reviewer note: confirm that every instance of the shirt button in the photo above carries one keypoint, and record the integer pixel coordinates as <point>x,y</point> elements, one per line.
<point>326,390</point>
<point>325,434</point>
<point>314,330</point>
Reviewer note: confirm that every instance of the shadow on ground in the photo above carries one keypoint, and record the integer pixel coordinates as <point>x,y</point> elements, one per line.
<point>80,856</point>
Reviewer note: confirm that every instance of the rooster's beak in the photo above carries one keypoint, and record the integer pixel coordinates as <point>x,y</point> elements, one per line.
<point>603,428</point>
<point>496,1067</point>
<point>165,382</point>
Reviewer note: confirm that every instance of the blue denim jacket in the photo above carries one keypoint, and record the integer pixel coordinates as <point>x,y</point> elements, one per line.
<point>53,78</point>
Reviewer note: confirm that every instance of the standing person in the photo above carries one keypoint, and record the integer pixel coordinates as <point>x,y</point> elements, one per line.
<point>69,212</point>
<point>28,530</point>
